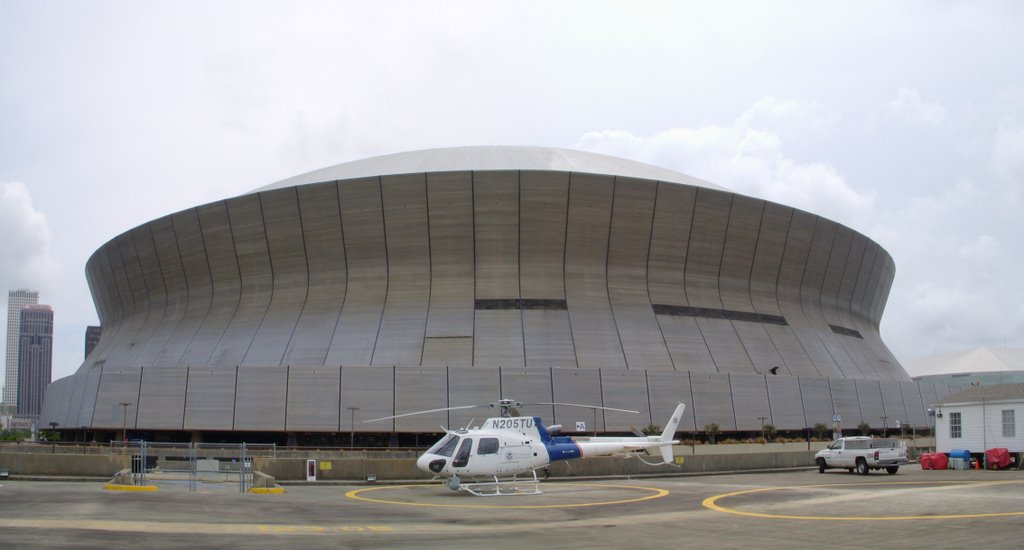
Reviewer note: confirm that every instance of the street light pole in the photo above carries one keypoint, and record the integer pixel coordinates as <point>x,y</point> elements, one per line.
<point>884,426</point>
<point>124,420</point>
<point>352,427</point>
<point>762,419</point>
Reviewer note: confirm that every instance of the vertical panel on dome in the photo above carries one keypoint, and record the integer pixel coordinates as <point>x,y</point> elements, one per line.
<point>666,390</point>
<point>594,330</point>
<point>162,398</point>
<point>117,385</point>
<point>472,386</point>
<point>497,333</point>
<point>370,390</point>
<point>325,255</point>
<point>892,400</point>
<point>686,344</point>
<point>127,276</point>
<point>449,331</point>
<point>627,389</point>
<point>825,247</point>
<point>528,386</point>
<point>869,394</point>
<point>171,273</point>
<point>628,245</point>
<point>786,402</point>
<point>210,398</point>
<point>280,211</point>
<point>153,288</point>
<point>712,401</point>
<point>421,389</point>
<point>544,198</point>
<point>817,401</point>
<point>579,387</point>
<point>222,265</point>
<point>844,400</point>
<point>253,258</point>
<point>794,265</point>
<point>670,235</point>
<point>404,321</point>
<point>750,399</point>
<point>314,399</point>
<point>362,220</point>
<point>913,402</point>
<point>199,283</point>
<point>260,398</point>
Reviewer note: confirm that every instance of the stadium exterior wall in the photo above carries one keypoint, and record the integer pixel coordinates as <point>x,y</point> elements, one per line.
<point>284,309</point>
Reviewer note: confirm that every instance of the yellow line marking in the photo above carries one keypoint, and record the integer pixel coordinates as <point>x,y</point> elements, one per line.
<point>356,494</point>
<point>267,490</point>
<point>712,502</point>
<point>196,528</point>
<point>112,487</point>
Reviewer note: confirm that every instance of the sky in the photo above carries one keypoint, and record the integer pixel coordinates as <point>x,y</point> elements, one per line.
<point>901,120</point>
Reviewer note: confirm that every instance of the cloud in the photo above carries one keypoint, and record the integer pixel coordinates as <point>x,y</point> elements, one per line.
<point>748,157</point>
<point>25,246</point>
<point>909,106</point>
<point>1007,162</point>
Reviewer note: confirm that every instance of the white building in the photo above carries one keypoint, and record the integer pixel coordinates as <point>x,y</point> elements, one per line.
<point>16,299</point>
<point>981,418</point>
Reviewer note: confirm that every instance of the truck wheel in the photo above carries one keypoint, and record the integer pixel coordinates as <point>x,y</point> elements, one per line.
<point>892,469</point>
<point>821,465</point>
<point>862,467</point>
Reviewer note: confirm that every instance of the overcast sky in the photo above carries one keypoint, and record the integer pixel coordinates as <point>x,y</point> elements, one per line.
<point>902,120</point>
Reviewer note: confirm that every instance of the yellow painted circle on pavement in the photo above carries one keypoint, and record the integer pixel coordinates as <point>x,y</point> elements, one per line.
<point>712,503</point>
<point>473,502</point>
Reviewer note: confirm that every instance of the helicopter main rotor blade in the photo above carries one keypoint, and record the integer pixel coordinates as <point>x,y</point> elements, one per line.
<point>426,412</point>
<point>586,407</point>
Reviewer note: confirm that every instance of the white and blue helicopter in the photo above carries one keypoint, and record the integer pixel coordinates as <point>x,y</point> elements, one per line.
<point>509,445</point>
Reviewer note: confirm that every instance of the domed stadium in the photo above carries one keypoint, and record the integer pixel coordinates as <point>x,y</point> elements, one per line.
<point>449,277</point>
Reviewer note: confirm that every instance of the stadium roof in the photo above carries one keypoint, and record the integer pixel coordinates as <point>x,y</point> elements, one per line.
<point>984,359</point>
<point>479,158</point>
<point>1000,392</point>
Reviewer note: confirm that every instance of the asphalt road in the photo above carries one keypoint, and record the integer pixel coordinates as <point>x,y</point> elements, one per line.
<point>764,510</point>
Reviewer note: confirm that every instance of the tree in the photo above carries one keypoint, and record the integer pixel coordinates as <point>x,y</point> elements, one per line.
<point>711,431</point>
<point>865,428</point>
<point>770,432</point>
<point>652,429</point>
<point>820,429</point>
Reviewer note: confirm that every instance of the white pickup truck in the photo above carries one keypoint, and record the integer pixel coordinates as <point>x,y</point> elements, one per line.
<point>862,454</point>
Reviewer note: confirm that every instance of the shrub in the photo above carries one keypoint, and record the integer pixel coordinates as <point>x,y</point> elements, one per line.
<point>820,429</point>
<point>865,428</point>
<point>770,432</point>
<point>711,431</point>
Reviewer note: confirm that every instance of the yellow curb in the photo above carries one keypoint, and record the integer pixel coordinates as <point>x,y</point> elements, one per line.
<point>111,487</point>
<point>267,490</point>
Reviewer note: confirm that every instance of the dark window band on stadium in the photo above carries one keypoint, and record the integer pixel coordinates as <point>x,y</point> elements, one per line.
<point>710,313</point>
<point>524,303</point>
<point>845,331</point>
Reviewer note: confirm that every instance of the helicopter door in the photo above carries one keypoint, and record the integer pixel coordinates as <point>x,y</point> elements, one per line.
<point>486,459</point>
<point>462,456</point>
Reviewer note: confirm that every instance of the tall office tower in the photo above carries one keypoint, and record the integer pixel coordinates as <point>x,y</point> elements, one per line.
<point>35,358</point>
<point>92,337</point>
<point>16,299</point>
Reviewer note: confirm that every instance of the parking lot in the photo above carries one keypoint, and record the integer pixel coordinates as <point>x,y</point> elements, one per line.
<point>921,508</point>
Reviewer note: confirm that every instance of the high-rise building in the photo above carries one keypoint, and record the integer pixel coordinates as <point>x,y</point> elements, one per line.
<point>16,299</point>
<point>35,358</point>
<point>92,337</point>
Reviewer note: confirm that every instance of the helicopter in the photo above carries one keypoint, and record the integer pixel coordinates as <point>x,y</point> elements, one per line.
<point>507,446</point>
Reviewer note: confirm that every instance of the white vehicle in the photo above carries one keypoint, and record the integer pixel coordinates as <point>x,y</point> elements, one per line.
<point>862,454</point>
<point>509,445</point>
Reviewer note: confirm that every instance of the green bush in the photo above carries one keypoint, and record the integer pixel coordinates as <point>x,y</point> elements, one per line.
<point>711,431</point>
<point>770,432</point>
<point>865,428</point>
<point>820,429</point>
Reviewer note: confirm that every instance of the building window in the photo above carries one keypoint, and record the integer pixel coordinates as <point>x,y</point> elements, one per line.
<point>954,426</point>
<point>1009,424</point>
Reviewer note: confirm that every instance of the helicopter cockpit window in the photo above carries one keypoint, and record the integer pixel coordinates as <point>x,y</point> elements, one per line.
<point>462,457</point>
<point>487,446</point>
<point>446,446</point>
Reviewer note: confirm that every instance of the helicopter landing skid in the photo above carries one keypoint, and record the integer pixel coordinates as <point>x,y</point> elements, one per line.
<point>503,487</point>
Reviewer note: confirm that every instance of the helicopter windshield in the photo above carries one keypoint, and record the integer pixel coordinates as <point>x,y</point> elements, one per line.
<point>446,446</point>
